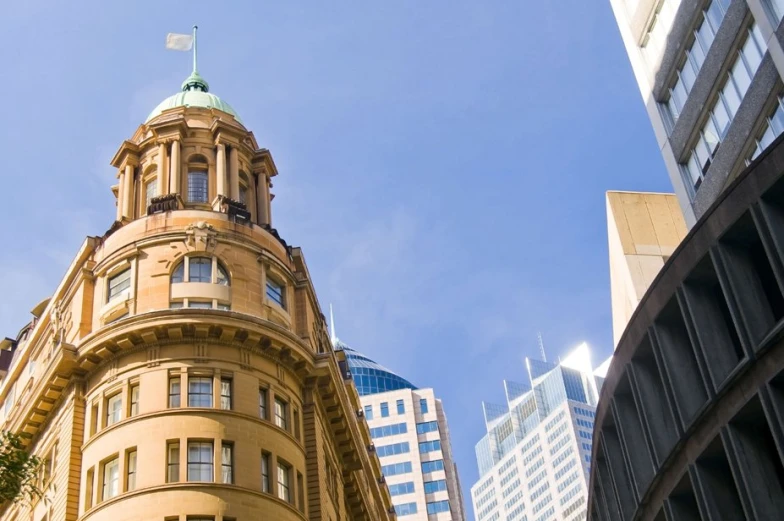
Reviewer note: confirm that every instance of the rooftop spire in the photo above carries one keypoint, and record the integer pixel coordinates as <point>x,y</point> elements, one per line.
<point>332,335</point>
<point>195,80</point>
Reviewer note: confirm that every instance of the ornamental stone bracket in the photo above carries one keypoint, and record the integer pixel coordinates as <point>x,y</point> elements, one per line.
<point>201,236</point>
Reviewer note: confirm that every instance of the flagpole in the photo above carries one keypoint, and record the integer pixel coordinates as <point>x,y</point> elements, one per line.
<point>195,70</point>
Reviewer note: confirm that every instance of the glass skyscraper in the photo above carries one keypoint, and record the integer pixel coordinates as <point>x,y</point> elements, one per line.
<point>534,461</point>
<point>411,438</point>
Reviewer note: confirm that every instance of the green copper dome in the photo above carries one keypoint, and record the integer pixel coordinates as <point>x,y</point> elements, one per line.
<point>195,93</point>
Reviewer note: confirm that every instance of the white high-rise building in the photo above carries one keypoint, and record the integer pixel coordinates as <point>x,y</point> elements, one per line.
<point>411,437</point>
<point>711,76</point>
<point>534,462</point>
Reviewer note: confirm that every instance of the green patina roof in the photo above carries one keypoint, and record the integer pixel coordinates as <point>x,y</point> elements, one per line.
<point>195,93</point>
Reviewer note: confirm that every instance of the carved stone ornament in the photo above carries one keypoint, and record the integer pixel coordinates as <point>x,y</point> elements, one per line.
<point>200,236</point>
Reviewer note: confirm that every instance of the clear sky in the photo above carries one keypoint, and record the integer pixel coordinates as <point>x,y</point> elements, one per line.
<point>443,163</point>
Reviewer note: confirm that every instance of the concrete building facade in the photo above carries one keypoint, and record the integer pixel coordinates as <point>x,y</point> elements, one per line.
<point>690,419</point>
<point>411,439</point>
<point>535,460</point>
<point>710,73</point>
<point>182,369</point>
<point>643,229</point>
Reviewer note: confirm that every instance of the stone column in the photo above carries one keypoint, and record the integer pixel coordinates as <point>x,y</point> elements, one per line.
<point>234,174</point>
<point>221,175</point>
<point>128,192</point>
<point>161,169</point>
<point>262,202</point>
<point>120,191</point>
<point>175,168</point>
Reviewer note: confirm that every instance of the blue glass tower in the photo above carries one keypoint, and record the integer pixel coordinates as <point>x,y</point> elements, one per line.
<point>369,376</point>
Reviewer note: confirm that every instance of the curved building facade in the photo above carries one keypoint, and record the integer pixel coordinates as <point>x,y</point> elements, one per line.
<point>182,369</point>
<point>690,420</point>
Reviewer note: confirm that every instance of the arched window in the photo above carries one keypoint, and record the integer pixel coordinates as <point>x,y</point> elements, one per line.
<point>198,180</point>
<point>200,269</point>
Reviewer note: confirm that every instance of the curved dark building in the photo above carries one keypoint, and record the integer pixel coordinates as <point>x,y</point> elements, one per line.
<point>690,421</point>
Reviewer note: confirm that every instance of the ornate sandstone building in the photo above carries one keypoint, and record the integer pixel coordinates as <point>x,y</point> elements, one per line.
<point>182,370</point>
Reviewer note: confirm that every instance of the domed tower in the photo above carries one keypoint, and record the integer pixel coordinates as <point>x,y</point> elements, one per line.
<point>182,370</point>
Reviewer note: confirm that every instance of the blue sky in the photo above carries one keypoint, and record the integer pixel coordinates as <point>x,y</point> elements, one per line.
<point>443,164</point>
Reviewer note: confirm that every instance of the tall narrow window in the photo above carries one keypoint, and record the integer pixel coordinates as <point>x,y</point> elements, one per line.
<point>300,493</point>
<point>131,471</point>
<point>368,412</point>
<point>174,392</point>
<point>423,405</point>
<point>226,393</point>
<point>134,409</point>
<point>199,391</point>
<point>401,408</point>
<point>284,480</point>
<point>296,423</point>
<point>150,191</point>
<point>113,409</point>
<point>263,404</point>
<point>227,475</point>
<point>275,292</point>
<point>265,472</point>
<point>384,409</point>
<point>88,489</point>
<point>173,462</point>
<point>281,414</point>
<point>111,479</point>
<point>200,461</point>
<point>197,187</point>
<point>118,284</point>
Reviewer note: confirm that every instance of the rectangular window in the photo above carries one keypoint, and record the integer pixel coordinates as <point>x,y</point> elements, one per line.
<point>226,393</point>
<point>88,489</point>
<point>200,461</point>
<point>174,392</point>
<point>134,409</point>
<point>432,487</point>
<point>113,409</point>
<point>296,423</point>
<point>423,405</point>
<point>401,408</point>
<point>118,284</point>
<point>388,430</point>
<point>401,488</point>
<point>227,452</point>
<point>432,466</point>
<point>94,418</point>
<point>263,404</point>
<point>150,191</point>
<point>197,187</point>
<point>429,446</point>
<point>172,462</point>
<point>422,428</point>
<point>281,414</point>
<point>368,412</point>
<point>405,509</point>
<point>384,409</point>
<point>275,292</point>
<point>395,469</point>
<point>200,391</point>
<point>265,472</point>
<point>436,507</point>
<point>130,469</point>
<point>111,479</point>
<point>284,478</point>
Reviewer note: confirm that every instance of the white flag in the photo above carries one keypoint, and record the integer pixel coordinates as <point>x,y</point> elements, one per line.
<point>179,42</point>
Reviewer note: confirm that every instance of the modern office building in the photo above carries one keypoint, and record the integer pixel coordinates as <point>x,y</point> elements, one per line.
<point>182,369</point>
<point>690,419</point>
<point>710,73</point>
<point>411,438</point>
<point>535,458</point>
